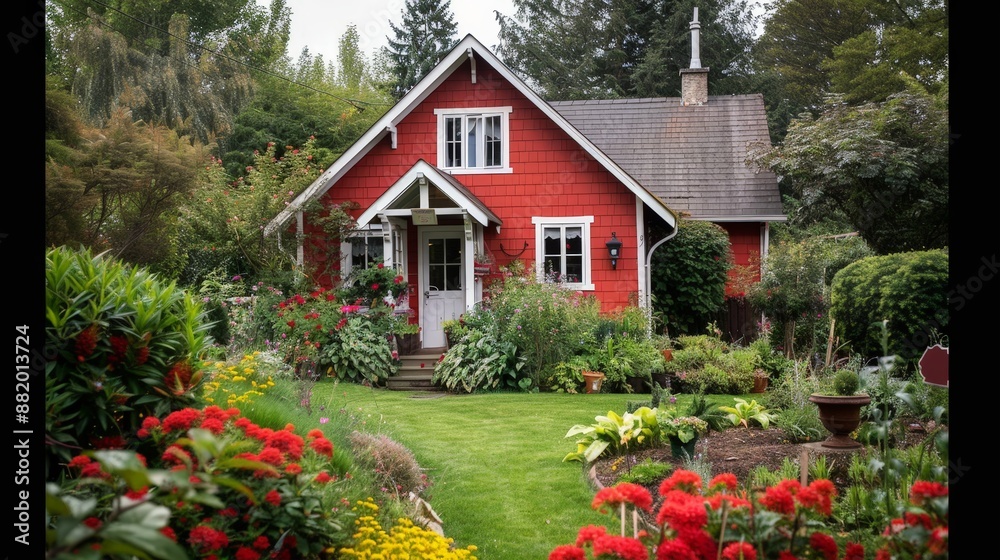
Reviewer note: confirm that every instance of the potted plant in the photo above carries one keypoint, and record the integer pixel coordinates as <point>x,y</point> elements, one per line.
<point>840,412</point>
<point>482,262</point>
<point>760,380</point>
<point>680,431</point>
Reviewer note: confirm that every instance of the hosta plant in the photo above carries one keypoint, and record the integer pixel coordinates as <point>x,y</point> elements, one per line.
<point>743,412</point>
<point>357,352</point>
<point>121,344</point>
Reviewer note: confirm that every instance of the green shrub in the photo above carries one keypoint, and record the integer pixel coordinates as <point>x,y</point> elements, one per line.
<point>358,352</point>
<point>689,275</point>
<point>909,290</point>
<point>846,382</point>
<point>123,344</point>
<point>647,472</point>
<point>481,361</point>
<point>563,377</point>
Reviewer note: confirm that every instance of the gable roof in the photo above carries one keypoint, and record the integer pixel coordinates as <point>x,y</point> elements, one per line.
<point>465,50</point>
<point>450,186</point>
<point>692,157</point>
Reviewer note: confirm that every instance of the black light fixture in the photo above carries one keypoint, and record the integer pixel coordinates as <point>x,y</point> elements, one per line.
<point>614,249</point>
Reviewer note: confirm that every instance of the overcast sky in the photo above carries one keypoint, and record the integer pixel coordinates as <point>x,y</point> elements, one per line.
<point>319,24</point>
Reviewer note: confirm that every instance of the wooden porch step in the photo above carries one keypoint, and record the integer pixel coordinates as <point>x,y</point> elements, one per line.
<point>416,370</point>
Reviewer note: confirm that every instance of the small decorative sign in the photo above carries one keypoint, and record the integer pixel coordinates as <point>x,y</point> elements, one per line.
<point>934,365</point>
<point>424,216</point>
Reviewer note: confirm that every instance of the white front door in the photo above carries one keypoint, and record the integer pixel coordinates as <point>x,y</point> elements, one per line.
<point>441,281</point>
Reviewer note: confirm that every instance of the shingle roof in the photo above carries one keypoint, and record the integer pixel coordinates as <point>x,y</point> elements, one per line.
<point>691,157</point>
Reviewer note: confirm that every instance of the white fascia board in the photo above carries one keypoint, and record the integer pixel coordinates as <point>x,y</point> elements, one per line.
<point>422,168</point>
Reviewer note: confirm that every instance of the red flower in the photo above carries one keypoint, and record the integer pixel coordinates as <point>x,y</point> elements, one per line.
<point>625,492</point>
<point>381,265</point>
<point>273,498</point>
<point>567,552</point>
<point>291,324</point>
<point>398,279</point>
<point>323,477</point>
<point>206,539</point>
<point>675,549</point>
<point>119,348</point>
<point>180,420</point>
<point>293,468</point>
<point>79,462</point>
<point>684,480</point>
<point>824,544</point>
<point>724,481</point>
<point>322,446</point>
<point>261,543</point>
<point>854,551</point>
<point>682,511</point>
<point>93,522</point>
<point>314,433</point>
<point>86,342</point>
<point>169,533</point>
<point>778,499</point>
<point>923,490</point>
<point>739,551</point>
<point>139,494</point>
<point>244,553</point>
<point>625,548</point>
<point>150,422</point>
<point>375,286</point>
<point>213,425</point>
<point>589,533</point>
<point>178,378</point>
<point>271,456</point>
<point>142,355</point>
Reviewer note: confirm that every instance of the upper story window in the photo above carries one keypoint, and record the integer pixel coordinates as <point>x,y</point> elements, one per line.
<point>474,140</point>
<point>562,250</point>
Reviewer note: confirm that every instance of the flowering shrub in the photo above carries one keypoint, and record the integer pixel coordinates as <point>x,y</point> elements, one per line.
<point>786,521</point>
<point>230,488</point>
<point>374,286</point>
<point>237,384</point>
<point>403,540</point>
<point>302,324</point>
<point>922,532</point>
<point>121,344</point>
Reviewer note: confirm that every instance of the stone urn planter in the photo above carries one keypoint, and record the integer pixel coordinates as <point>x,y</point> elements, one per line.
<point>840,415</point>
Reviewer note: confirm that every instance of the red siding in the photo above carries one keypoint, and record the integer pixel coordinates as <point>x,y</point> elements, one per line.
<point>745,240</point>
<point>552,176</point>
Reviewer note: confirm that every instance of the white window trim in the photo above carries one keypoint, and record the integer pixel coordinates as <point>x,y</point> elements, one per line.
<point>372,236</point>
<point>584,221</point>
<point>503,112</point>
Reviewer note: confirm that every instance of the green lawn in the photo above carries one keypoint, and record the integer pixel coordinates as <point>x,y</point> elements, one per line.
<point>495,460</point>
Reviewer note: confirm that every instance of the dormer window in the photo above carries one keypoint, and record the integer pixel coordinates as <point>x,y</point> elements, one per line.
<point>474,140</point>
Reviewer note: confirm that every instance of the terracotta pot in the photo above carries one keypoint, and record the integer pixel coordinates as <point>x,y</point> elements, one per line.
<point>840,415</point>
<point>668,354</point>
<point>759,385</point>
<point>593,381</point>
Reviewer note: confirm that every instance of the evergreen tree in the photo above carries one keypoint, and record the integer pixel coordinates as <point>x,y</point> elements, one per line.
<point>590,49</point>
<point>426,34</point>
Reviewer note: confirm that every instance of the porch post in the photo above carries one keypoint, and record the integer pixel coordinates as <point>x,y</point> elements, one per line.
<point>468,255</point>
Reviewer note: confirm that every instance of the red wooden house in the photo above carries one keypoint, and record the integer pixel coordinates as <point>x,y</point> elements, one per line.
<point>471,161</point>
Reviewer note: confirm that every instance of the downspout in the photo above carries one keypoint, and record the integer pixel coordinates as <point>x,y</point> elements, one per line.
<point>649,280</point>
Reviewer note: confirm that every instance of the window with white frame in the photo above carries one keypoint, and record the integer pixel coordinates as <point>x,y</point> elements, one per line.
<point>562,250</point>
<point>366,250</point>
<point>474,140</point>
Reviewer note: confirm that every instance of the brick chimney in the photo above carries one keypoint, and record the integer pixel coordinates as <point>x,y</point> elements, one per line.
<point>694,80</point>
